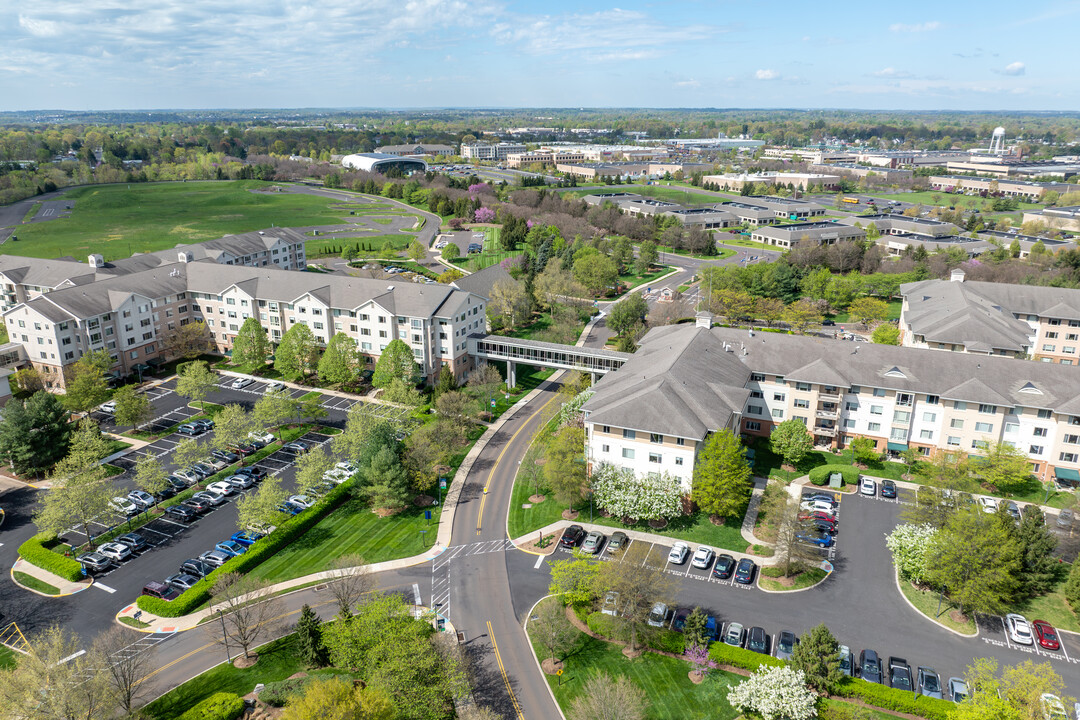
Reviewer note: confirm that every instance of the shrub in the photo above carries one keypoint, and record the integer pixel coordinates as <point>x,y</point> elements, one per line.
<point>219,706</point>
<point>602,624</point>
<point>277,693</point>
<point>820,475</point>
<point>288,531</point>
<point>37,552</point>
<point>739,657</point>
<point>888,698</point>
<point>671,641</point>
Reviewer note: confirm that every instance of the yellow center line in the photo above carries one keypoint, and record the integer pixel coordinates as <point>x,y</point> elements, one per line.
<point>505,677</point>
<point>480,516</point>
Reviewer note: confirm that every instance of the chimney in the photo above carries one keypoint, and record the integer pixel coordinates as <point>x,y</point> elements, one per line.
<point>184,257</point>
<point>96,261</point>
<point>957,275</point>
<point>703,319</point>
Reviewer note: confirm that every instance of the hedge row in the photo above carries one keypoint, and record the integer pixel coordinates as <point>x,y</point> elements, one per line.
<point>889,698</point>
<point>288,531</point>
<point>219,706</point>
<point>820,475</point>
<point>36,552</point>
<point>740,657</point>
<point>671,641</point>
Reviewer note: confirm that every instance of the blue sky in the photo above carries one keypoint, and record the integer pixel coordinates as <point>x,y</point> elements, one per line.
<point>103,54</point>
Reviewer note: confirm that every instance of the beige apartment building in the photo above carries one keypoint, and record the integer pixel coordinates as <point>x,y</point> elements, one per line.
<point>1022,189</point>
<point>686,382</point>
<point>801,181</point>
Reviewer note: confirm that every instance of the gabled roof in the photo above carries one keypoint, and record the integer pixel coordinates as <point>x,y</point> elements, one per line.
<point>819,371</point>
<point>975,390</point>
<point>954,313</point>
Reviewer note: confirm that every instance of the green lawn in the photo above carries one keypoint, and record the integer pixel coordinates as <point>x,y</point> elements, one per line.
<point>664,679</point>
<point>670,193</point>
<point>721,253</point>
<point>1053,607</point>
<point>926,601</point>
<point>632,280</point>
<point>926,197</point>
<point>366,246</point>
<point>7,657</point>
<point>895,306</point>
<point>865,713</point>
<point>277,661</point>
<point>34,584</point>
<point>352,528</point>
<point>740,240</point>
<point>479,261</point>
<point>119,220</point>
<point>767,464</point>
<point>802,580</point>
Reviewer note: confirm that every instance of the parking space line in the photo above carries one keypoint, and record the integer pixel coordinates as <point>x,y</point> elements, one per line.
<point>102,586</point>
<point>1008,643</point>
<point>171,522</point>
<point>647,554</point>
<point>147,527</point>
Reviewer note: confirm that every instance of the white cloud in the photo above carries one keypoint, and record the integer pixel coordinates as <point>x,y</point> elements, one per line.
<point>892,73</point>
<point>917,27</point>
<point>39,28</point>
<point>688,83</point>
<point>1015,68</point>
<point>766,74</point>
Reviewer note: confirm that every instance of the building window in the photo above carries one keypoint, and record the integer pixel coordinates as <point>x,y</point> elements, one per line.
<point>753,425</point>
<point>629,434</point>
<point>680,442</point>
<point>1051,336</point>
<point>804,387</point>
<point>605,448</point>
<point>988,409</point>
<point>628,453</point>
<point>756,394</point>
<point>778,413</point>
<point>898,434</point>
<point>757,377</point>
<point>956,424</point>
<point>953,440</point>
<point>926,434</point>
<point>678,461</point>
<point>931,399</point>
<point>654,458</point>
<point>1048,348</point>
<point>1044,414</point>
<point>1035,450</point>
<point>1012,427</point>
<point>879,392</point>
<point>753,410</point>
<point>984,427</point>
<point>874,427</point>
<point>779,397</point>
<point>850,407</point>
<point>901,416</point>
<point>876,409</point>
<point>655,438</point>
<point>929,417</point>
<point>855,389</point>
<point>799,403</point>
<point>959,405</point>
<point>849,424</point>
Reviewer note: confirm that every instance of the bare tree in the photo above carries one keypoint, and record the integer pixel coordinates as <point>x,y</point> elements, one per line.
<point>552,629</point>
<point>604,698</point>
<point>791,551</point>
<point>126,666</point>
<point>247,611</point>
<point>640,587</point>
<point>351,582</point>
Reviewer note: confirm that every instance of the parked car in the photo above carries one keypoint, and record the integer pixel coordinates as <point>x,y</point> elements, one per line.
<point>247,538</point>
<point>1052,707</point>
<point>215,558</point>
<point>241,383</point>
<point>214,464</point>
<point>819,516</point>
<point>785,644</point>
<point>618,541</point>
<point>196,504</point>
<point>189,476</point>
<point>988,504</point>
<point>190,429</point>
<point>301,501</point>
<point>1065,518</point>
<point>928,682</point>
<point>205,423</point>
<point>109,407</point>
<point>957,690</point>
<point>223,487</point>
<point>821,497</point>
<point>870,666</point>
<point>347,467</point>
<point>178,484</point>
<point>273,386</point>
<point>244,449</point>
<point>1019,629</point>
<point>196,567</point>
<point>164,591</point>
<point>703,557</point>
<point>845,660</point>
<point>679,552</point>
<point>203,470</point>
<point>1046,635</point>
<point>210,496</point>
<point>135,541</point>
<point>813,537</point>
<point>1013,510</point>
<point>888,489</point>
<point>117,552</point>
<point>900,674</point>
<point>253,470</point>
<point>757,640</point>
<point>712,629</point>
<point>725,565</point>
<point>143,499</point>
<point>336,476</point>
<point>295,448</point>
<point>263,437</point>
<point>818,506</point>
<point>123,505</point>
<point>678,620</point>
<point>240,482</point>
<point>744,572</point>
<point>734,635</point>
<point>572,536</point>
<point>94,563</point>
<point>821,526</point>
<point>230,547</point>
<point>610,606</point>
<point>658,616</point>
<point>594,541</point>
<point>226,456</point>
<point>181,513</point>
<point>867,486</point>
<point>181,581</point>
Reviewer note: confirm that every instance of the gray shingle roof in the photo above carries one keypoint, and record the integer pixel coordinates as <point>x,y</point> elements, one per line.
<point>481,281</point>
<point>960,313</point>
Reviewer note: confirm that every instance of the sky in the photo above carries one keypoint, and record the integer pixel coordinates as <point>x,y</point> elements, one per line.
<point>142,54</point>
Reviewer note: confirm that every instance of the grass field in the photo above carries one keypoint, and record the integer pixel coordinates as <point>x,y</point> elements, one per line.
<point>926,602</point>
<point>7,657</point>
<point>118,220</point>
<point>895,306</point>
<point>1053,607</point>
<point>671,695</point>
<point>926,197</point>
<point>34,584</point>
<point>741,241</point>
<point>479,261</point>
<point>352,528</point>
<point>802,580</point>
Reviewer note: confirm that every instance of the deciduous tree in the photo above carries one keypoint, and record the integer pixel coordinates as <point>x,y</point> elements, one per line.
<point>310,468</point>
<point>627,313</point>
<point>510,301</point>
<point>395,363</point>
<point>573,580</point>
<point>188,341</point>
<point>350,582</point>
<point>801,314</point>
<point>195,382</point>
<point>975,561</point>
<point>607,698</point>
<point>775,693</point>
<point>248,611</point>
<point>261,509</point>
<point>297,352</point>
<point>722,477</point>
<point>551,628</point>
<point>640,587</point>
<point>791,441</point>
<point>1005,467</point>
<point>150,476</point>
<point>595,271</point>
<point>339,361</point>
<point>251,347</point>
<point>273,409</point>
<point>565,469</point>
<point>866,310</point>
<point>886,335</point>
<point>132,407</point>
<point>232,426</point>
<point>126,669</point>
<point>80,489</point>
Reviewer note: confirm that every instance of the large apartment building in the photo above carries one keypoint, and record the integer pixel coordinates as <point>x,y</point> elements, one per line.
<point>656,412</point>
<point>130,310</point>
<point>1023,321</point>
<point>488,151</point>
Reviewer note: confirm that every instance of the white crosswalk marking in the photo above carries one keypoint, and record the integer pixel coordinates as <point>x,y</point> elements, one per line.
<point>106,588</point>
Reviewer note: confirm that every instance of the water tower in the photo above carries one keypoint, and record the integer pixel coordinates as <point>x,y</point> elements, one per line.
<point>997,142</point>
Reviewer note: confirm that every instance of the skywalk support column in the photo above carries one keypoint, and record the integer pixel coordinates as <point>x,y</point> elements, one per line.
<point>511,375</point>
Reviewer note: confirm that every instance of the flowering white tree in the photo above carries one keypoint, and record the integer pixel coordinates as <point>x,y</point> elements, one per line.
<point>775,693</point>
<point>623,494</point>
<point>570,414</point>
<point>909,545</point>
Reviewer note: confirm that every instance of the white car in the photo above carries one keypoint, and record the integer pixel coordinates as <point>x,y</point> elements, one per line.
<point>240,482</point>
<point>347,467</point>
<point>123,505</point>
<point>337,475</point>
<point>1019,629</point>
<point>273,386</point>
<point>263,437</point>
<point>241,383</point>
<point>678,553</point>
<point>210,496</point>
<point>703,557</point>
<point>117,552</point>
<point>302,500</point>
<point>868,487</point>
<point>109,407</point>
<point>819,506</point>
<point>222,486</point>
<point>988,504</point>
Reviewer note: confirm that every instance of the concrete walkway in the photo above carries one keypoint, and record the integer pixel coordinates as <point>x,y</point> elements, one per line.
<point>66,587</point>
<point>750,518</point>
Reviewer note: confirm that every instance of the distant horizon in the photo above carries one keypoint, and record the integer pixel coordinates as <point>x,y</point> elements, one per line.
<point>201,54</point>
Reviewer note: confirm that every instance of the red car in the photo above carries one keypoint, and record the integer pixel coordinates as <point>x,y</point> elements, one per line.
<point>1046,635</point>
<point>818,516</point>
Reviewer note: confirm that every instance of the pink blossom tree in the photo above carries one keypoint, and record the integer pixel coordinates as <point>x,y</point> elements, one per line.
<point>698,656</point>
<point>484,215</point>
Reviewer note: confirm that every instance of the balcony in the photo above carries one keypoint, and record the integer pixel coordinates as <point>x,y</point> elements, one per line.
<point>826,431</point>
<point>826,414</point>
<point>829,396</point>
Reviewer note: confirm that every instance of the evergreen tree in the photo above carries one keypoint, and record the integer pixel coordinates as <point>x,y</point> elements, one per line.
<point>818,655</point>
<point>695,628</point>
<point>34,433</point>
<point>309,638</point>
<point>1072,587</point>
<point>1037,543</point>
<point>445,382</point>
<point>386,482</point>
<point>251,346</point>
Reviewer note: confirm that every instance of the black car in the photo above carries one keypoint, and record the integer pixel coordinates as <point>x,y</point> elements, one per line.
<point>202,470</point>
<point>870,667</point>
<point>198,568</point>
<point>244,449</point>
<point>725,565</point>
<point>744,572</point>
<point>253,470</point>
<point>757,640</point>
<point>888,489</point>
<point>679,621</point>
<point>226,456</point>
<point>181,513</point>
<point>199,506</point>
<point>572,536</point>
<point>177,484</point>
<point>135,541</point>
<point>94,563</point>
<point>165,493</point>
<point>820,525</point>
<point>900,674</point>
<point>295,448</point>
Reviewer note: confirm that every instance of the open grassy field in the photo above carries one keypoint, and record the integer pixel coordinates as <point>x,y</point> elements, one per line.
<point>926,197</point>
<point>118,220</point>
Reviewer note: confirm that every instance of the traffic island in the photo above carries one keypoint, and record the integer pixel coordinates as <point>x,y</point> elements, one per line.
<point>42,582</point>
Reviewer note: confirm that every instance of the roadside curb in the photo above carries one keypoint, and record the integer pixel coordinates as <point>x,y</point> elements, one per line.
<point>21,565</point>
<point>536,660</point>
<point>896,577</point>
<point>757,583</point>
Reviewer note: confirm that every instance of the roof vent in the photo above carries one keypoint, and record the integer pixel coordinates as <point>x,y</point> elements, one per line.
<point>894,372</point>
<point>957,275</point>
<point>1030,388</point>
<point>96,261</point>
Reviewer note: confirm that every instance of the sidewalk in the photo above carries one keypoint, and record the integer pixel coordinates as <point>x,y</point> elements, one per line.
<point>309,388</point>
<point>66,587</point>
